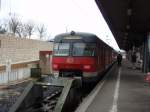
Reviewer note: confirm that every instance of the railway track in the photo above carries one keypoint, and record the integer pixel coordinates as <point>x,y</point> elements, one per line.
<point>45,95</point>
<point>48,97</point>
<point>48,102</point>
<point>9,95</point>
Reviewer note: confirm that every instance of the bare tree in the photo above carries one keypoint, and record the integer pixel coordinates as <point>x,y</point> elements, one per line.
<point>48,37</point>
<point>3,26</point>
<point>14,23</point>
<point>2,29</point>
<point>29,28</point>
<point>25,30</point>
<point>21,30</point>
<point>41,30</point>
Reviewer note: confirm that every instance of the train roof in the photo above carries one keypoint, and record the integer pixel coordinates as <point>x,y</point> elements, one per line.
<point>87,37</point>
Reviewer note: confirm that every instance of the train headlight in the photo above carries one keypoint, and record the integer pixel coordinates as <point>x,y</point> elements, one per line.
<point>87,66</point>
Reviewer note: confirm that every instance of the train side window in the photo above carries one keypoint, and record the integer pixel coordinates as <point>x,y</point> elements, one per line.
<point>83,49</point>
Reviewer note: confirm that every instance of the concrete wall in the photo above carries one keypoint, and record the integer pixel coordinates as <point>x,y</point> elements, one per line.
<point>21,49</point>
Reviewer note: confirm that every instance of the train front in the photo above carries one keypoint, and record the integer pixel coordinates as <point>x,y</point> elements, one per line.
<point>74,56</point>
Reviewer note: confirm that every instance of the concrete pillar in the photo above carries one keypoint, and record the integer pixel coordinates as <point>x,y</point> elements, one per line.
<point>148,53</point>
<point>146,63</point>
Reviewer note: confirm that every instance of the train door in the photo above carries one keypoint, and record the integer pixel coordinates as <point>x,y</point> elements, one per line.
<point>106,56</point>
<point>97,56</point>
<point>103,56</point>
<point>100,52</point>
<point>109,56</point>
<point>100,57</point>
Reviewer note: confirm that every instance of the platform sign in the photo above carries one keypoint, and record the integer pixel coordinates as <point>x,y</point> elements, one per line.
<point>72,37</point>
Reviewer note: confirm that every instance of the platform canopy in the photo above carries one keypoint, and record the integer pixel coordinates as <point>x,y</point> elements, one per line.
<point>129,20</point>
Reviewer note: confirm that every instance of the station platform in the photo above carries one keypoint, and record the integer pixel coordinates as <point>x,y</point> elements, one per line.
<point>123,90</point>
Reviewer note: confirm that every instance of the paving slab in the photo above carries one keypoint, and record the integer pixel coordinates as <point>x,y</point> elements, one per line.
<point>124,90</point>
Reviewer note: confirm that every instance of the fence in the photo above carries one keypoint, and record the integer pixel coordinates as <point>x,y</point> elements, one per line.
<point>16,74</point>
<point>18,71</point>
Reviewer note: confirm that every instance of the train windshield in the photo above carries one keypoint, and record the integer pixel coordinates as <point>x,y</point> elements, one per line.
<point>83,49</point>
<point>61,49</point>
<point>77,49</point>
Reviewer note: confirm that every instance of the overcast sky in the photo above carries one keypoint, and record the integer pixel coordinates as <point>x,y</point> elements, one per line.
<point>60,16</point>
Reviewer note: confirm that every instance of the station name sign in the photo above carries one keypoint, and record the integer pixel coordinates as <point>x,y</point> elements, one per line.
<point>73,37</point>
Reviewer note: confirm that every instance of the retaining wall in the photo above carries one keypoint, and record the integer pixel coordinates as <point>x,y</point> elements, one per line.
<point>20,50</point>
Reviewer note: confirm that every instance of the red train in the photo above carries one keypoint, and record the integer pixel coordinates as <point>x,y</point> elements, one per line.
<point>80,54</point>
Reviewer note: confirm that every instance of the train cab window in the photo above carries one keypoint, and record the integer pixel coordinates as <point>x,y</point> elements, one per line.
<point>61,49</point>
<point>83,49</point>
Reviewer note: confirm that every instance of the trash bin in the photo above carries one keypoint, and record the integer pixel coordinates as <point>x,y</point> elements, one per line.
<point>35,72</point>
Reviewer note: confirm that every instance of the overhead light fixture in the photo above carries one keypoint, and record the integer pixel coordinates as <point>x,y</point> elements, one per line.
<point>125,37</point>
<point>124,41</point>
<point>126,34</point>
<point>129,12</point>
<point>128,26</point>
